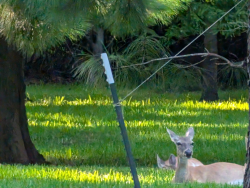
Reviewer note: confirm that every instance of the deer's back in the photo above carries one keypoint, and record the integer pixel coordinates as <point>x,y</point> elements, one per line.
<point>220,172</point>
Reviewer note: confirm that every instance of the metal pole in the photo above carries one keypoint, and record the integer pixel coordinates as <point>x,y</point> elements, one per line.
<point>246,182</point>
<point>120,119</point>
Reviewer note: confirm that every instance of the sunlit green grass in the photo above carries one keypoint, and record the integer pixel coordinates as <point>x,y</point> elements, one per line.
<point>76,128</point>
<point>88,176</point>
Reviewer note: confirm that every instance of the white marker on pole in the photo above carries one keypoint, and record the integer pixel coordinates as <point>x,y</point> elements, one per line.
<point>120,119</point>
<point>108,71</point>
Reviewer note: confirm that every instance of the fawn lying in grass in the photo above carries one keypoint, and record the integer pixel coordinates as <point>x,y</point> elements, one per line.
<point>220,172</point>
<point>172,162</point>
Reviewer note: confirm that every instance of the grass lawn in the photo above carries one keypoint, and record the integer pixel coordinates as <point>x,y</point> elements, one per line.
<point>75,128</point>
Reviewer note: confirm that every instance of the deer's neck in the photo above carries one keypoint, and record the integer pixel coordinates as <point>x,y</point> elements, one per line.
<point>181,174</point>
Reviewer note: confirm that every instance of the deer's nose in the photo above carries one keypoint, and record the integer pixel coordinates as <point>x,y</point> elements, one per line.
<point>188,153</point>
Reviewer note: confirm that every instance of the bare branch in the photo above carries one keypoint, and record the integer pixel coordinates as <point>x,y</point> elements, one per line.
<point>237,64</point>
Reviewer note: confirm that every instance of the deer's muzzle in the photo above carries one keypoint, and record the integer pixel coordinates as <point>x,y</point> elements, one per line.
<point>188,153</point>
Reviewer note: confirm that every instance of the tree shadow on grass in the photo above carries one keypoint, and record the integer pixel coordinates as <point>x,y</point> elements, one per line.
<point>104,146</point>
<point>106,113</point>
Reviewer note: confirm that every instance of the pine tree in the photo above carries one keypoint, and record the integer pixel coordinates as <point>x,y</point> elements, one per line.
<point>32,26</point>
<point>122,21</point>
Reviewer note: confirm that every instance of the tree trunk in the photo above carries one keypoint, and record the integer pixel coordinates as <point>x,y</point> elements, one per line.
<point>209,77</point>
<point>15,142</point>
<point>246,183</point>
<point>98,43</point>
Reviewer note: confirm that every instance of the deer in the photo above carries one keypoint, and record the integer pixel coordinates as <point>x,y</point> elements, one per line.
<point>172,162</point>
<point>220,172</point>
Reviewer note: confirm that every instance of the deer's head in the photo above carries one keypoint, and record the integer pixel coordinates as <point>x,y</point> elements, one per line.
<point>184,144</point>
<point>169,164</point>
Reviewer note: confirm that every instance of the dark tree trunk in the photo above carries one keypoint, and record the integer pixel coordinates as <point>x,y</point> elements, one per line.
<point>96,41</point>
<point>15,142</point>
<point>209,77</point>
<point>247,172</point>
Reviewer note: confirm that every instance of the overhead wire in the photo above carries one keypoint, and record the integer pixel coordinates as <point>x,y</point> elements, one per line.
<point>181,50</point>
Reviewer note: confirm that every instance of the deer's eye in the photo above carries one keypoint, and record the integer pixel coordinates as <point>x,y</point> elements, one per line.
<point>192,143</point>
<point>178,143</point>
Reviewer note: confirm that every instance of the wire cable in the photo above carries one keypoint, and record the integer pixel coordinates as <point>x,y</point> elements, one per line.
<point>181,50</point>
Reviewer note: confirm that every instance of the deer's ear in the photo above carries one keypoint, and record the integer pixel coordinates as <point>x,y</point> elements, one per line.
<point>190,133</point>
<point>173,136</point>
<point>172,160</point>
<point>160,162</point>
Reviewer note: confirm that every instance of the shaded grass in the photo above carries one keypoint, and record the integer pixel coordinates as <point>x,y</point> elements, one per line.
<point>76,128</point>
